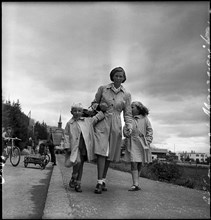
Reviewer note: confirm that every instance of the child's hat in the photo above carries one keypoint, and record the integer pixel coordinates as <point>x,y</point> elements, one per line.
<point>77,105</point>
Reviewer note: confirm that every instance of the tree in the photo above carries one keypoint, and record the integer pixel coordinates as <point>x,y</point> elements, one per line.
<point>19,122</point>
<point>40,131</point>
<point>13,116</point>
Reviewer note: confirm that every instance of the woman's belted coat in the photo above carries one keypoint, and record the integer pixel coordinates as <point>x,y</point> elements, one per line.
<point>108,132</point>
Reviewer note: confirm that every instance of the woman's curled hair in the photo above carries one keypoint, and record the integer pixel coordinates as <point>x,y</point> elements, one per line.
<point>117,69</point>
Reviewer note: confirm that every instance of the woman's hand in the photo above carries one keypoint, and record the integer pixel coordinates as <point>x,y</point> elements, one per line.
<point>94,106</point>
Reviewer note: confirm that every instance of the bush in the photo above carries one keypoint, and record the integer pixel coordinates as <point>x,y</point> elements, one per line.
<point>147,173</point>
<point>122,166</point>
<point>161,171</point>
<point>191,177</point>
<point>187,182</point>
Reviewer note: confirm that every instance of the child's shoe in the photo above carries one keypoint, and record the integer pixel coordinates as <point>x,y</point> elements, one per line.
<point>78,188</point>
<point>98,188</point>
<point>104,188</point>
<point>72,182</point>
<point>134,188</point>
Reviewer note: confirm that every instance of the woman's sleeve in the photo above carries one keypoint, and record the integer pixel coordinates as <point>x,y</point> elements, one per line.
<point>127,112</point>
<point>149,131</point>
<point>97,98</point>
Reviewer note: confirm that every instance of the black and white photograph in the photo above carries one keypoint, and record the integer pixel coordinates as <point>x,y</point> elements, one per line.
<point>105,110</point>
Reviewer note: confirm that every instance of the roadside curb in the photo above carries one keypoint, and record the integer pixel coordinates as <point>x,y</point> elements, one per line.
<point>57,203</point>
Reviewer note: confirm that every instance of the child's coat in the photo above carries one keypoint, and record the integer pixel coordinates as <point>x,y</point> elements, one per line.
<point>138,145</point>
<point>73,130</point>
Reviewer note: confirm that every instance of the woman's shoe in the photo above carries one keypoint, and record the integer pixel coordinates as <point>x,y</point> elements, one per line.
<point>78,188</point>
<point>104,188</point>
<point>72,182</point>
<point>134,188</point>
<point>98,188</point>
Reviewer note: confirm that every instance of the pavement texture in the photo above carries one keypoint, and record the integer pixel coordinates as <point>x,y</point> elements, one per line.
<point>156,200</point>
<point>57,203</point>
<point>24,190</point>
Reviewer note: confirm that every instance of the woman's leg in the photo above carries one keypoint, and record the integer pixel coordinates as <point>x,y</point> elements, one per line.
<point>101,162</point>
<point>100,170</point>
<point>107,162</point>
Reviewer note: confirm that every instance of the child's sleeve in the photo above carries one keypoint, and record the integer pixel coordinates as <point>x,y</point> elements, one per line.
<point>149,132</point>
<point>127,112</point>
<point>126,132</point>
<point>66,137</point>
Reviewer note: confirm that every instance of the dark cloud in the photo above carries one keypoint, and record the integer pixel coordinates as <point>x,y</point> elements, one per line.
<point>66,51</point>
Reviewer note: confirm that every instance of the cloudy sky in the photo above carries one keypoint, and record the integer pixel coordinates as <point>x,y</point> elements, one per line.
<point>55,54</point>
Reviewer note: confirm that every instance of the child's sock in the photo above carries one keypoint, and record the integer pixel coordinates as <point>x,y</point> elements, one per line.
<point>78,182</point>
<point>100,181</point>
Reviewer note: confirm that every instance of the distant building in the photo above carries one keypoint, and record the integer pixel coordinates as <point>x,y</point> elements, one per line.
<point>57,133</point>
<point>200,157</point>
<point>158,153</point>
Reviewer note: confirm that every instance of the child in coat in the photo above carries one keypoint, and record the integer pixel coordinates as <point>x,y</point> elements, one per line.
<point>79,142</point>
<point>137,149</point>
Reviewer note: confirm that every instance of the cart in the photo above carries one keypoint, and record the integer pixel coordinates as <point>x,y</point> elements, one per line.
<point>42,158</point>
<point>36,159</point>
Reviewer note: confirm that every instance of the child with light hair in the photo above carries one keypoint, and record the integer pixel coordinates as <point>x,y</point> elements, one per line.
<point>79,142</point>
<point>137,150</point>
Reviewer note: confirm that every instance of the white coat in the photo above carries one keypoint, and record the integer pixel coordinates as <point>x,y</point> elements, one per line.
<point>138,145</point>
<point>72,133</point>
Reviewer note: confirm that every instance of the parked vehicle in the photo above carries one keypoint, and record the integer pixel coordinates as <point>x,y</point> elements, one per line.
<point>42,158</point>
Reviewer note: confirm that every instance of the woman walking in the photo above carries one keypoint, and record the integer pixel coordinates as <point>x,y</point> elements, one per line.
<point>108,132</point>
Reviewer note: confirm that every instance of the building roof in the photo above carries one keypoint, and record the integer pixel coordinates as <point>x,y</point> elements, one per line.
<point>158,150</point>
<point>191,153</point>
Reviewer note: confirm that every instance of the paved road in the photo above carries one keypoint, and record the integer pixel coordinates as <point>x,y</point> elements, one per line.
<point>156,200</point>
<point>24,191</point>
<point>26,195</point>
